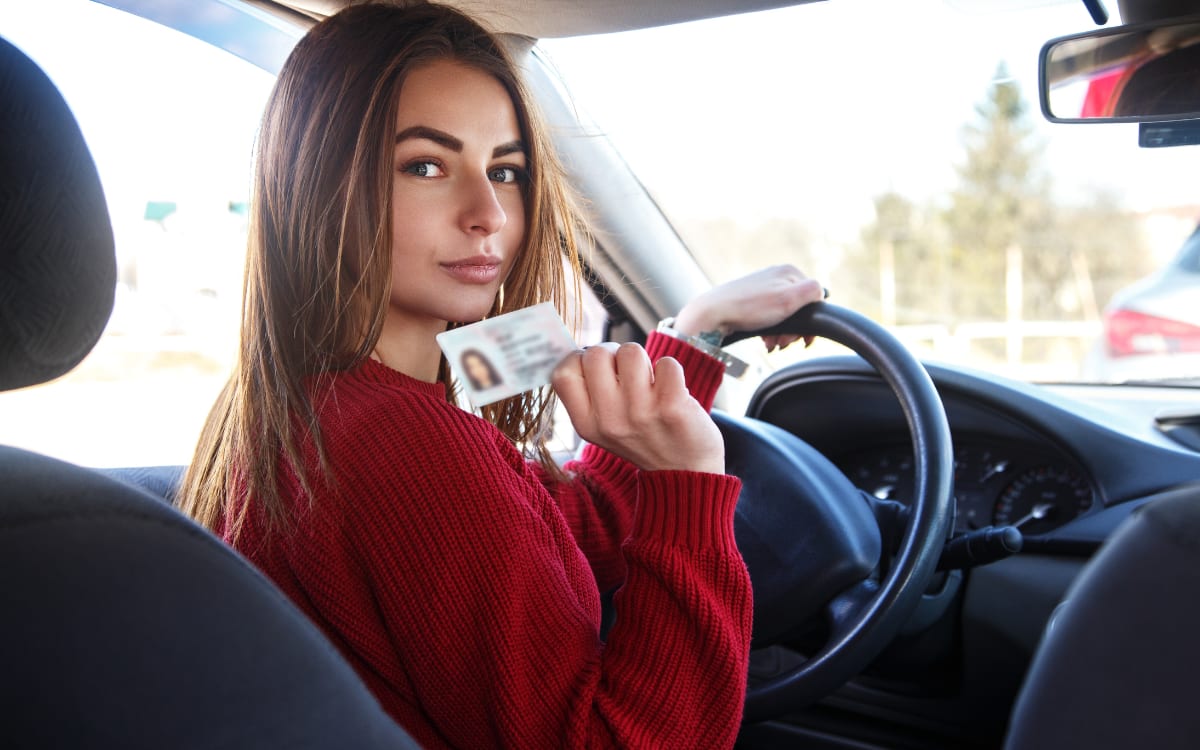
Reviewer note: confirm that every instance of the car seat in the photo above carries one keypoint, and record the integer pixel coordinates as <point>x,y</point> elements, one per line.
<point>124,624</point>
<point>1120,662</point>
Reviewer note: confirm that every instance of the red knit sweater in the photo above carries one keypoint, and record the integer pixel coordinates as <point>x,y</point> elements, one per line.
<point>463,584</point>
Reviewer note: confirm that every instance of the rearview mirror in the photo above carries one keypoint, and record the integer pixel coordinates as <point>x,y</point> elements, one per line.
<point>1141,73</point>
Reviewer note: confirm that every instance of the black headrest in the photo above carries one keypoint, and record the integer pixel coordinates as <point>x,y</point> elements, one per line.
<point>57,261</point>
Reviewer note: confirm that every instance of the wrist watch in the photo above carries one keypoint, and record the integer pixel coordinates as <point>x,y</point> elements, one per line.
<point>708,342</point>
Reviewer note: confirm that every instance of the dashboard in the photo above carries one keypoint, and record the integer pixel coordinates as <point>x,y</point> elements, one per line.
<point>1064,470</point>
<point>995,484</point>
<point>1067,465</point>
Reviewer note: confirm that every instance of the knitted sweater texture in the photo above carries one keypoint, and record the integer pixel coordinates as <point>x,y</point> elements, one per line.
<point>462,582</point>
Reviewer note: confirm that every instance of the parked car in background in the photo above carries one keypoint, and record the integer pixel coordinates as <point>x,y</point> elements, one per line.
<point>1152,327</point>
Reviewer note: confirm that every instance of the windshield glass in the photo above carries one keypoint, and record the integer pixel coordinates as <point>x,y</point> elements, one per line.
<point>896,151</point>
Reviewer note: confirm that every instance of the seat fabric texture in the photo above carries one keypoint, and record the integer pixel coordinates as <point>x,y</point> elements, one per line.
<point>57,265</point>
<point>1119,665</point>
<point>162,482</point>
<point>127,625</point>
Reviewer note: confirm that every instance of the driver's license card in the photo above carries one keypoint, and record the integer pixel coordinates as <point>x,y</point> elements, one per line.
<point>508,354</point>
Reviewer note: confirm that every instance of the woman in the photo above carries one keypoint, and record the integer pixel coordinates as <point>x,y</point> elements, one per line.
<point>402,186</point>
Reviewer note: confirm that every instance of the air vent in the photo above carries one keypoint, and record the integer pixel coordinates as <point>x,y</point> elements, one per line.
<point>1182,427</point>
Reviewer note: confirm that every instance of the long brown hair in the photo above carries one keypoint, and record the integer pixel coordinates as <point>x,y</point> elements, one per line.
<point>318,266</point>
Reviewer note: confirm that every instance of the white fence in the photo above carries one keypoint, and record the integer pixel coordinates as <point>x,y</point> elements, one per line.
<point>958,344</point>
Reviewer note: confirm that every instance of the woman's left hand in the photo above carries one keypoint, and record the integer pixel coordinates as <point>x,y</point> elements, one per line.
<point>758,300</point>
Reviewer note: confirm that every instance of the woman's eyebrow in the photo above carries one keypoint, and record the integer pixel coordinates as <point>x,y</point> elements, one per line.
<point>512,147</point>
<point>430,134</point>
<point>448,141</point>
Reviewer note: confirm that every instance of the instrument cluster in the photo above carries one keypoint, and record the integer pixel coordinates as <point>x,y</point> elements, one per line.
<point>994,485</point>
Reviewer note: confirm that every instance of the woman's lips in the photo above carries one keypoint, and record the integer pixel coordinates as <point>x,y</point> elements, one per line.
<point>479,270</point>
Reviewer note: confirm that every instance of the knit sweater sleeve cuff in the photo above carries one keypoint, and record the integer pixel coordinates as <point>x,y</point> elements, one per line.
<point>686,509</point>
<point>618,475</point>
<point>702,372</point>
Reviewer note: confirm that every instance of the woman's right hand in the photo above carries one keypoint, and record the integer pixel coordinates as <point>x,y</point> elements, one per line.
<point>642,413</point>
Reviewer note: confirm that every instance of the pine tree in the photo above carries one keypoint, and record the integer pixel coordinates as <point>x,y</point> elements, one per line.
<point>1002,203</point>
<point>1071,257</point>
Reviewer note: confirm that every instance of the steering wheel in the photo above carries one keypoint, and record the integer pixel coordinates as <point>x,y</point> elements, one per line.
<point>810,541</point>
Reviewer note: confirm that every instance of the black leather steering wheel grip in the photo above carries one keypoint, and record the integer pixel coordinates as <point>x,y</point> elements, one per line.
<point>864,615</point>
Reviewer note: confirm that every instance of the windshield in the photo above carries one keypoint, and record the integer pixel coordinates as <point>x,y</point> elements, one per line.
<point>896,151</point>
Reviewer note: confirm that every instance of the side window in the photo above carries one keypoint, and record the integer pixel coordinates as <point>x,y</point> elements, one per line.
<point>594,318</point>
<point>170,122</point>
<point>590,330</point>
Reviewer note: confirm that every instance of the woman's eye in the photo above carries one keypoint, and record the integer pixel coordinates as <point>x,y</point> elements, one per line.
<point>506,174</point>
<point>423,169</point>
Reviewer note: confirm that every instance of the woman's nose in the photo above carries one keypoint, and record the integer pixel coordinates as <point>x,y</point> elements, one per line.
<point>482,211</point>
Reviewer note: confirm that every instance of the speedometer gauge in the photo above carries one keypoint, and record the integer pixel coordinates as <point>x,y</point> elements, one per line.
<point>1042,499</point>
